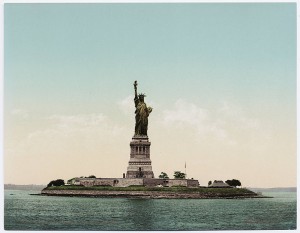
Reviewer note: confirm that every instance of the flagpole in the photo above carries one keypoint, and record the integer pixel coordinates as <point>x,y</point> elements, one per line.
<point>185,169</point>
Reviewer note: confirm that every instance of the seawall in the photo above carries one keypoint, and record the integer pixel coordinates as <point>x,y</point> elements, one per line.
<point>148,194</point>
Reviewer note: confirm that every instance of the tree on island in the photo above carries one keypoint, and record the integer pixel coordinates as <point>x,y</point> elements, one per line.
<point>92,176</point>
<point>233,182</point>
<point>179,175</point>
<point>58,182</point>
<point>163,175</point>
<point>209,183</point>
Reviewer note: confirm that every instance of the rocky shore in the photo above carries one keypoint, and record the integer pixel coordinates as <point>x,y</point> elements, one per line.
<point>150,194</point>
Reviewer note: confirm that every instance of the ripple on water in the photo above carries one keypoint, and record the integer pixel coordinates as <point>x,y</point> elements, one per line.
<point>29,212</point>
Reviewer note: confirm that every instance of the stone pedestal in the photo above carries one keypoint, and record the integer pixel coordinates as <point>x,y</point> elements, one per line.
<point>139,163</point>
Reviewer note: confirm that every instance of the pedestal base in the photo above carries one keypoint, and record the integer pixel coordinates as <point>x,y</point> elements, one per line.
<point>139,163</point>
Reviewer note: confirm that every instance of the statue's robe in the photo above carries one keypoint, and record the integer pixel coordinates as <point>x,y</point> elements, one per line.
<point>141,117</point>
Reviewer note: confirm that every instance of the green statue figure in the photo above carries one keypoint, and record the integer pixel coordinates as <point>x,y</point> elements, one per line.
<point>141,113</point>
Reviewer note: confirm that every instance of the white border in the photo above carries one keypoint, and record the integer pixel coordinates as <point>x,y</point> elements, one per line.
<point>149,1</point>
<point>2,2</point>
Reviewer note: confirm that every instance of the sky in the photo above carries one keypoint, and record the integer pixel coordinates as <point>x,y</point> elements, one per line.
<point>220,77</point>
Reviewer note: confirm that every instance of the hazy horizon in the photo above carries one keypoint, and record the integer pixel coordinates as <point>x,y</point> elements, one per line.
<point>221,79</point>
<point>292,187</point>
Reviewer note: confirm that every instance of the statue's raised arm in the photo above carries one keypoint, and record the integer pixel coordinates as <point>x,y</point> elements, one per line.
<point>135,89</point>
<point>141,113</point>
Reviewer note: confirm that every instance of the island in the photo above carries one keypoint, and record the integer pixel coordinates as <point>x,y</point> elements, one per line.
<point>151,192</point>
<point>139,180</point>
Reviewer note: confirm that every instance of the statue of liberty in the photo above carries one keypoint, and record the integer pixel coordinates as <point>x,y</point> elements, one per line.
<point>141,113</point>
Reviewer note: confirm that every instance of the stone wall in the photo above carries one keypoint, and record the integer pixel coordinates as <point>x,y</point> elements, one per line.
<point>116,182</point>
<point>171,182</point>
<point>154,182</point>
<point>87,182</point>
<point>124,182</point>
<point>177,182</point>
<point>148,194</point>
<point>193,183</point>
<point>128,182</point>
<point>105,182</point>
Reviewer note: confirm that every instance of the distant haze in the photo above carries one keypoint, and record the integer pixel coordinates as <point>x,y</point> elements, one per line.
<point>23,187</point>
<point>221,79</point>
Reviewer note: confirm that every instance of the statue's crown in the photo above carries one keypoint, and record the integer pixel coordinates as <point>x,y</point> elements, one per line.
<point>141,95</point>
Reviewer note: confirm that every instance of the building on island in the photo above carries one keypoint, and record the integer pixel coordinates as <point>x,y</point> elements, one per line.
<point>125,182</point>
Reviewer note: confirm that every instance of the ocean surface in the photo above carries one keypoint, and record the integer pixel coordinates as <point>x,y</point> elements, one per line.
<point>31,212</point>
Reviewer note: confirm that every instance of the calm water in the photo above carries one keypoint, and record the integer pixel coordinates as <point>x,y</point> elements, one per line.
<point>26,212</point>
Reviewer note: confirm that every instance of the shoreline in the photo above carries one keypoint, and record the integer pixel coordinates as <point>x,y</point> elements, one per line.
<point>149,194</point>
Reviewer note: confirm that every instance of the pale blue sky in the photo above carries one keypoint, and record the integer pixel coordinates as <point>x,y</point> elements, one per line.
<point>83,58</point>
<point>244,51</point>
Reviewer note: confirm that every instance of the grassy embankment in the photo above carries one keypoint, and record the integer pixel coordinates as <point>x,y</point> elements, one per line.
<point>234,191</point>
